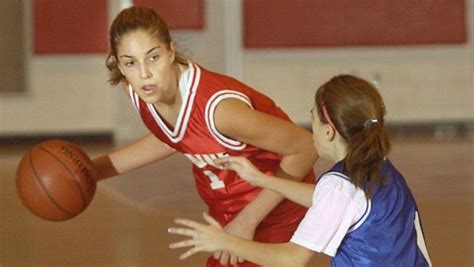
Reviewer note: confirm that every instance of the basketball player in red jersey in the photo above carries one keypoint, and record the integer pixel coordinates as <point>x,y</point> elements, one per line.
<point>205,115</point>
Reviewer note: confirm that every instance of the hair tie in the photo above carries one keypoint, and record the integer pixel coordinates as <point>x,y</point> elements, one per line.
<point>370,122</point>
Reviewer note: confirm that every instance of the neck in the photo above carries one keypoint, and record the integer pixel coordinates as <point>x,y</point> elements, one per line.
<point>174,95</point>
<point>339,149</point>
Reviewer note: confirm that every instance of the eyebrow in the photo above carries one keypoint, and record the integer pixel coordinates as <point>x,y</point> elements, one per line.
<point>147,52</point>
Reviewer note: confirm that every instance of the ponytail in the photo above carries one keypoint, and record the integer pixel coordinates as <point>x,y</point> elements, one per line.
<point>366,151</point>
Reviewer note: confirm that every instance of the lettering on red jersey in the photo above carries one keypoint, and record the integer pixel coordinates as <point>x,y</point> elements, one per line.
<point>202,160</point>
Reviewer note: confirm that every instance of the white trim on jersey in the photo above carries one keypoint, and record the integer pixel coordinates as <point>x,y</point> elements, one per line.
<point>209,115</point>
<point>188,85</point>
<point>420,239</point>
<point>134,97</point>
<point>363,218</point>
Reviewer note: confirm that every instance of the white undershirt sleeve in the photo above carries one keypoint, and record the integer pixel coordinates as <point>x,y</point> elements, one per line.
<point>337,205</point>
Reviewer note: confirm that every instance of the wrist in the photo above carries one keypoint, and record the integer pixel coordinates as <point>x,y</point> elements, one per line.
<point>104,167</point>
<point>246,219</point>
<point>262,180</point>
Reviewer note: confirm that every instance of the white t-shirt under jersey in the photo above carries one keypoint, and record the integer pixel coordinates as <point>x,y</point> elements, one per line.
<point>337,206</point>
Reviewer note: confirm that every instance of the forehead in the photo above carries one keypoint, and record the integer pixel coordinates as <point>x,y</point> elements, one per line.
<point>137,41</point>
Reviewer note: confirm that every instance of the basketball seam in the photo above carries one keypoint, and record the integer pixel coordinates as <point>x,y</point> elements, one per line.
<point>44,189</point>
<point>23,200</point>
<point>71,174</point>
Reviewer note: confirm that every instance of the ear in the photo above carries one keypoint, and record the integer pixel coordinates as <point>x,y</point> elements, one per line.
<point>119,67</point>
<point>121,71</point>
<point>172,51</point>
<point>330,132</point>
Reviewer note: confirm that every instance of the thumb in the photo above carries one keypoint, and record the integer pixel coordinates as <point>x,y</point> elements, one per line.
<point>211,220</point>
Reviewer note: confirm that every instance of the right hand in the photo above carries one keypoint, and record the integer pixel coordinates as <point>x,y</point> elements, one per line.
<point>202,237</point>
<point>244,168</point>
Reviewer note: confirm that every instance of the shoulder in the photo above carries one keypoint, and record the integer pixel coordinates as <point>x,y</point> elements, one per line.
<point>336,183</point>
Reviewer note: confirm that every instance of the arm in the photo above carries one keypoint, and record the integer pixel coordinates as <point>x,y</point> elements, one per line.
<point>272,134</point>
<point>300,193</point>
<point>212,238</point>
<point>142,152</point>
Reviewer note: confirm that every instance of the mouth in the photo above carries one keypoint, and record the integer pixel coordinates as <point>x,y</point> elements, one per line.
<point>149,89</point>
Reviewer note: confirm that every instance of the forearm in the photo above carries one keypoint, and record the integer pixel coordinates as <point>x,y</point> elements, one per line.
<point>133,156</point>
<point>284,254</point>
<point>298,192</point>
<point>292,167</point>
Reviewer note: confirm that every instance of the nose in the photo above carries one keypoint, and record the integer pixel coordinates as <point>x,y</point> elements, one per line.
<point>145,72</point>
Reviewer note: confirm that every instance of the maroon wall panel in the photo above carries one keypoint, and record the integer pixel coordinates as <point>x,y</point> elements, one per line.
<point>179,14</point>
<point>308,23</point>
<point>70,26</point>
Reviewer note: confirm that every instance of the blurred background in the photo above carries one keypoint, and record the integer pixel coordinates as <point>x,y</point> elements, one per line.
<point>53,80</point>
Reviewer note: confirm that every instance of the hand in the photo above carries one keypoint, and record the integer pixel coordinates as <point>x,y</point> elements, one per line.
<point>244,168</point>
<point>210,237</point>
<point>240,227</point>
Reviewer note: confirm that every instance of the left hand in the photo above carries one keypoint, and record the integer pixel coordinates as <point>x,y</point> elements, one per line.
<point>240,227</point>
<point>210,237</point>
<point>244,168</point>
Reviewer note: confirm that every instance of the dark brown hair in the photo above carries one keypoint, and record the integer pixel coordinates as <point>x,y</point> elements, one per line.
<point>356,109</point>
<point>129,20</point>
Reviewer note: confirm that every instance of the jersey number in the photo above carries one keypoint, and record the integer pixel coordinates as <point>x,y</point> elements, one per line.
<point>215,182</point>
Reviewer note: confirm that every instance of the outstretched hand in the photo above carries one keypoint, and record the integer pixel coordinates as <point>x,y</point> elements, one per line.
<point>244,168</point>
<point>210,237</point>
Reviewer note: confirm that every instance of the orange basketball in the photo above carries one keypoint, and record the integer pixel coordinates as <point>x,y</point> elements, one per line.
<point>55,180</point>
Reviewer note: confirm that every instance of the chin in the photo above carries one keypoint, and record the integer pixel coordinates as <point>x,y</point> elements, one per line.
<point>150,99</point>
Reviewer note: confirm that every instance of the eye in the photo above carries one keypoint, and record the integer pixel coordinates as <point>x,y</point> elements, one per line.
<point>154,58</point>
<point>129,63</point>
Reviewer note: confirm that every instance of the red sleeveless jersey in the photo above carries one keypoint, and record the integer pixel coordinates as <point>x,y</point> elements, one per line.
<point>196,136</point>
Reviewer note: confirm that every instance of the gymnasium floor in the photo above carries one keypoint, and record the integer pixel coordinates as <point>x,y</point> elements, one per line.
<point>126,223</point>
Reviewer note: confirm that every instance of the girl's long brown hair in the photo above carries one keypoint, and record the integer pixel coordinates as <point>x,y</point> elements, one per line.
<point>353,105</point>
<point>129,20</point>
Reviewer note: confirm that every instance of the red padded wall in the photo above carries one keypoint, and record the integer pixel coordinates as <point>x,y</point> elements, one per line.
<point>313,23</point>
<point>70,26</point>
<point>178,14</point>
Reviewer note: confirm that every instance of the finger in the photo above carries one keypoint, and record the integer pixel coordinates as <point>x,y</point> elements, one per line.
<point>217,254</point>
<point>233,260</point>
<point>241,259</point>
<point>189,253</point>
<point>183,244</point>
<point>189,223</point>
<point>226,161</point>
<point>182,231</point>
<point>208,218</point>
<point>224,258</point>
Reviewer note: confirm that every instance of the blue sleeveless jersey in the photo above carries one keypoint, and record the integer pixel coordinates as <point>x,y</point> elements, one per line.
<point>388,236</point>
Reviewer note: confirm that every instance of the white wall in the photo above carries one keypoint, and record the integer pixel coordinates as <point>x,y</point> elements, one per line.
<point>419,84</point>
<point>69,94</point>
<point>65,94</point>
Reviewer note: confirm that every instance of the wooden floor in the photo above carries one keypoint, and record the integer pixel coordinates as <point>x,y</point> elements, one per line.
<point>126,223</point>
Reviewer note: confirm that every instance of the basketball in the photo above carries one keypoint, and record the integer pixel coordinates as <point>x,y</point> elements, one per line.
<point>56,180</point>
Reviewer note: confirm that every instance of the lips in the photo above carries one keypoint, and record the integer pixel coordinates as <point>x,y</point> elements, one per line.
<point>149,89</point>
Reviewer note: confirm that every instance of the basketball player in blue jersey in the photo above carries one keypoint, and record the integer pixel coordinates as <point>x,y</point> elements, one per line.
<point>361,213</point>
